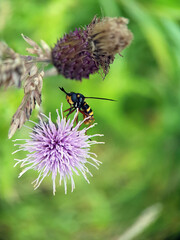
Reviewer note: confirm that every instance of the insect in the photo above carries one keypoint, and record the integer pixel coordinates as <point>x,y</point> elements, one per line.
<point>77,101</point>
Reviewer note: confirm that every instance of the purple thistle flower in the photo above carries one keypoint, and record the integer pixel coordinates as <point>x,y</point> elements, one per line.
<point>58,149</point>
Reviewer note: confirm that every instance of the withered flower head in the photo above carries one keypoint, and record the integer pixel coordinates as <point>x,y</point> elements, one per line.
<point>85,51</point>
<point>110,36</point>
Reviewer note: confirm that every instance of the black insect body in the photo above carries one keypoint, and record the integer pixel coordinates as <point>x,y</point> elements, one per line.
<point>77,101</point>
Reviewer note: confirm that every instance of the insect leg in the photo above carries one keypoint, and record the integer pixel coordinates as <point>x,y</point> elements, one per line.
<point>71,110</point>
<point>86,115</point>
<point>68,109</point>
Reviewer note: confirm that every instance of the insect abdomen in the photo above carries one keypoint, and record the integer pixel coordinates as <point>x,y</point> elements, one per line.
<point>87,109</point>
<point>88,113</point>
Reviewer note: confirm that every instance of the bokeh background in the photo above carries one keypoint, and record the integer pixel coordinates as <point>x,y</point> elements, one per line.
<point>136,192</point>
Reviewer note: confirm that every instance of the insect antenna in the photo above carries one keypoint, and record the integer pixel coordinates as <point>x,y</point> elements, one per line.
<point>108,99</point>
<point>62,89</point>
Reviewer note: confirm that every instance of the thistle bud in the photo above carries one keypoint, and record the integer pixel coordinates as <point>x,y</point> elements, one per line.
<point>86,51</point>
<point>72,56</point>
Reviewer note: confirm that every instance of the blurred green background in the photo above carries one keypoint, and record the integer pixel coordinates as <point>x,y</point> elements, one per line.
<point>141,157</point>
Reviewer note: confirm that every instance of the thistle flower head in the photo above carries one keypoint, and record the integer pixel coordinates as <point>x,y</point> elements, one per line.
<point>85,51</point>
<point>60,149</point>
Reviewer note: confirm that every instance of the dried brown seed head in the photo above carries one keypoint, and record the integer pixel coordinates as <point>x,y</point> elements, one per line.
<point>32,95</point>
<point>6,52</point>
<point>43,51</point>
<point>110,36</point>
<point>11,71</point>
<point>15,68</point>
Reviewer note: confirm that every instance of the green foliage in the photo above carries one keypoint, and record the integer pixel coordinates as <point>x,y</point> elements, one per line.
<point>141,157</point>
